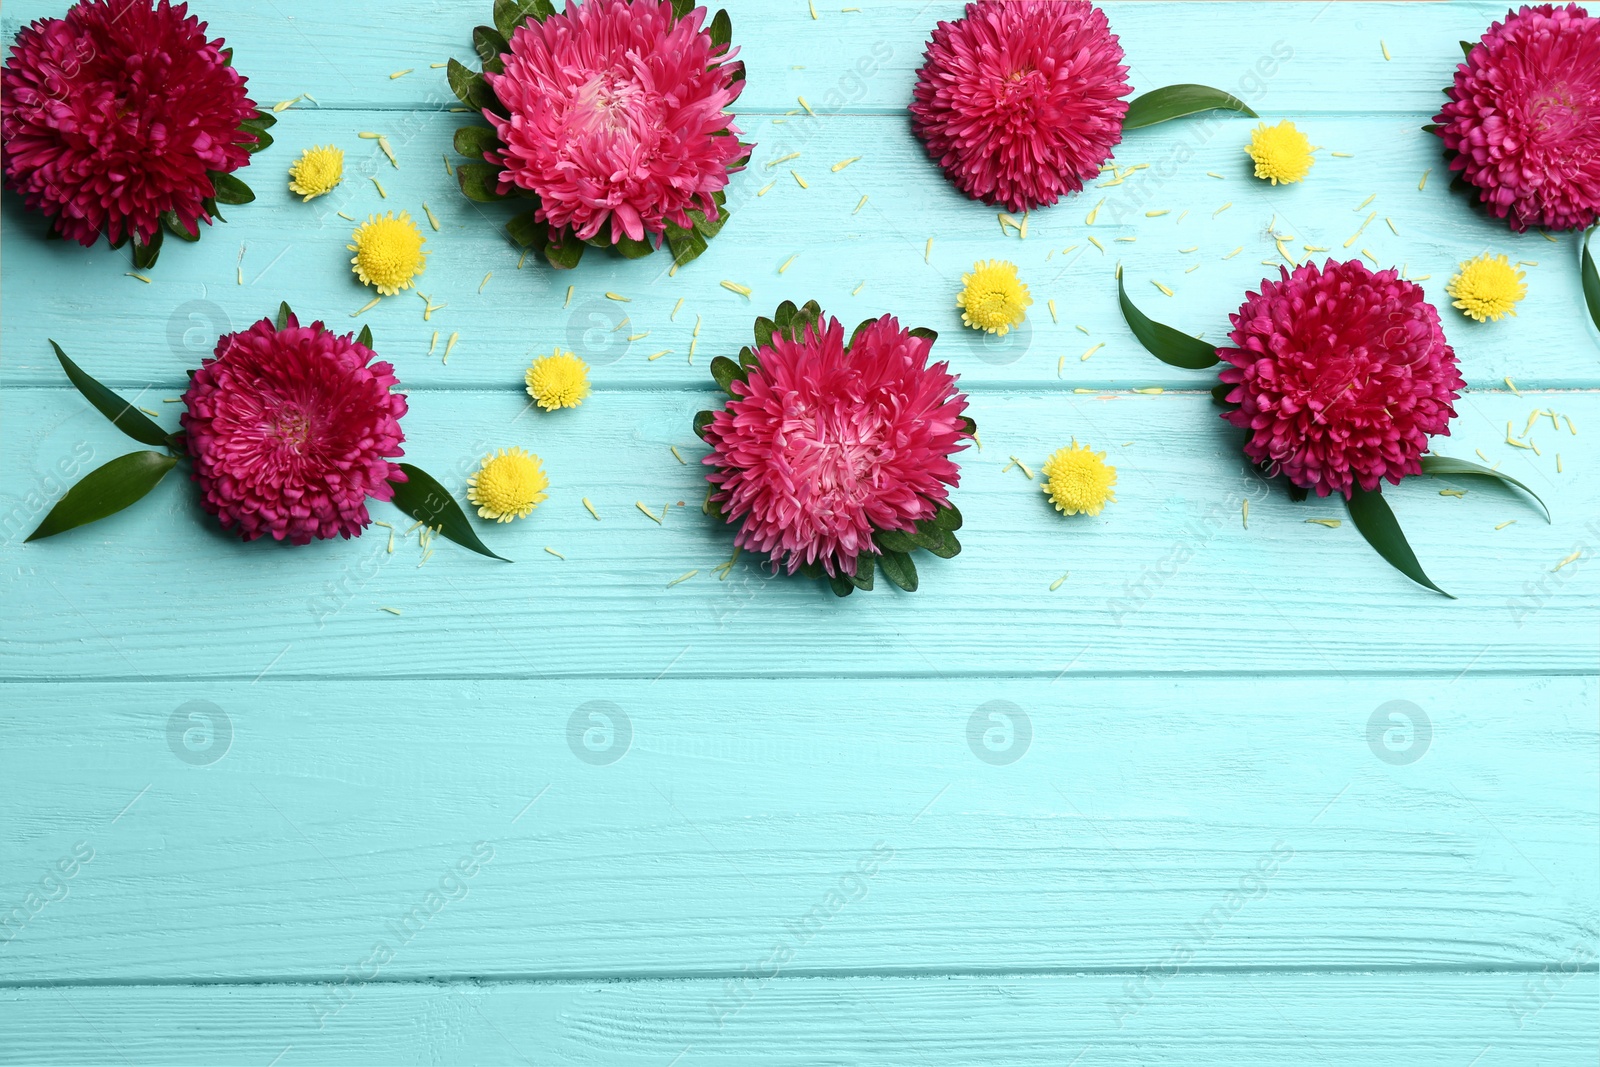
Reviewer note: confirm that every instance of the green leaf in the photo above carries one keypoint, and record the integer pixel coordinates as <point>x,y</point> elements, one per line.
<point>1219,395</point>
<point>861,328</point>
<point>286,316</point>
<point>105,491</point>
<point>1466,48</point>
<point>508,14</point>
<point>210,205</point>
<point>469,86</point>
<point>765,328</point>
<point>123,415</point>
<point>478,182</point>
<point>1591,281</point>
<point>628,248</point>
<point>489,43</point>
<point>423,498</point>
<point>263,139</point>
<point>1176,101</point>
<point>365,337</point>
<point>680,8</point>
<point>702,419</point>
<point>1166,344</point>
<point>841,585</point>
<point>785,314</point>
<point>1371,514</point>
<point>528,231</point>
<point>226,189</point>
<point>475,141</point>
<point>721,29</point>
<point>144,255</point>
<point>947,518</point>
<point>894,541</point>
<point>924,333</point>
<point>726,372</point>
<point>174,225</point>
<point>1444,466</point>
<point>864,572</point>
<point>747,357</point>
<point>261,120</point>
<point>563,255</point>
<point>898,568</point>
<point>686,245</point>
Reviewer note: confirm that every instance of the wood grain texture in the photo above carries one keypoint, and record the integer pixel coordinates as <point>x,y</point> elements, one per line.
<point>1214,848</point>
<point>1255,820</point>
<point>1205,1020</point>
<point>1167,579</point>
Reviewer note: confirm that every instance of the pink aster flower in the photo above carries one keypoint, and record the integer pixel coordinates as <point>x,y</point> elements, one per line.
<point>115,114</point>
<point>1523,119</point>
<point>291,431</point>
<point>616,117</point>
<point>824,443</point>
<point>1021,100</point>
<point>1341,376</point>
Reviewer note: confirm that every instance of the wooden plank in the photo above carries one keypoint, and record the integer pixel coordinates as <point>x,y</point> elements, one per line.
<point>343,55</point>
<point>1166,579</point>
<point>857,263</point>
<point>1205,1020</point>
<point>517,830</point>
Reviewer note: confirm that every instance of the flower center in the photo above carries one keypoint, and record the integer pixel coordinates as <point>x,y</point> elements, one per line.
<point>290,426</point>
<point>610,103</point>
<point>833,453</point>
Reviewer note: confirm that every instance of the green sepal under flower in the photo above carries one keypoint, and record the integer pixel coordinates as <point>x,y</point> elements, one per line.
<point>480,178</point>
<point>935,534</point>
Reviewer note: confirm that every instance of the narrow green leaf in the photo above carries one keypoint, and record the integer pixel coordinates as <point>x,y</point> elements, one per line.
<point>1591,280</point>
<point>479,181</point>
<point>1166,344</point>
<point>1176,101</point>
<point>422,497</point>
<point>563,255</point>
<point>174,225</point>
<point>123,415</point>
<point>475,142</point>
<point>145,255</point>
<point>489,43</point>
<point>226,189</point>
<point>261,120</point>
<point>365,337</point>
<point>286,316</point>
<point>726,372</point>
<point>898,568</point>
<point>105,491</point>
<point>702,419</point>
<point>721,29</point>
<point>468,85</point>
<point>1371,515</point>
<point>1442,466</point>
<point>263,139</point>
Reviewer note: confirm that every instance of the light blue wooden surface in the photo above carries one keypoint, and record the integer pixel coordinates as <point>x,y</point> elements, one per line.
<point>794,853</point>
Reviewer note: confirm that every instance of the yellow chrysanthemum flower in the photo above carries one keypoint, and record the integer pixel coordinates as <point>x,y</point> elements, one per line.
<point>993,298</point>
<point>508,485</point>
<point>1487,288</point>
<point>388,252</point>
<point>558,381</point>
<point>1282,153</point>
<point>1078,479</point>
<point>316,172</point>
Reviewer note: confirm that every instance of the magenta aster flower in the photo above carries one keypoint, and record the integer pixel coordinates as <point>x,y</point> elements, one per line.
<point>823,443</point>
<point>616,119</point>
<point>115,114</point>
<point>1341,375</point>
<point>1021,101</point>
<point>1523,119</point>
<point>291,431</point>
